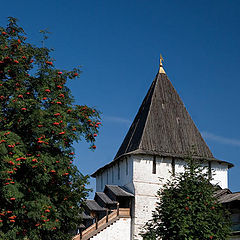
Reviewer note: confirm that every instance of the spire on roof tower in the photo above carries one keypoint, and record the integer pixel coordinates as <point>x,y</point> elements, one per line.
<point>161,70</point>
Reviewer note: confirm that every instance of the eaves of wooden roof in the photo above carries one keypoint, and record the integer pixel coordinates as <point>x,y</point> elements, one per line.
<point>92,205</point>
<point>118,191</point>
<point>105,198</point>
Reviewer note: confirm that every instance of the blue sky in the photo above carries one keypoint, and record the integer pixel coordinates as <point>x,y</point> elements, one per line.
<point>118,44</point>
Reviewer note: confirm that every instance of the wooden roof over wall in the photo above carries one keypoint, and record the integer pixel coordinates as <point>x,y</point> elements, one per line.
<point>118,191</point>
<point>163,127</point>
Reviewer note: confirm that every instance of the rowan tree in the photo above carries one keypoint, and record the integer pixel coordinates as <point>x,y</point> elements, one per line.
<point>41,190</point>
<point>187,209</point>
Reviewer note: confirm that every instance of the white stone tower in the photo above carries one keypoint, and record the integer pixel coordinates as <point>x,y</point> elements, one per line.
<point>161,136</point>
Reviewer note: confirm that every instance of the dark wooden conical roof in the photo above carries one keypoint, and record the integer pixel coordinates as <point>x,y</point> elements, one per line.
<point>163,126</point>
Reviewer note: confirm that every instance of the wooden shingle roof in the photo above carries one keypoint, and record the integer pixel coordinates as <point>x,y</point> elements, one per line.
<point>163,127</point>
<point>104,198</point>
<point>85,216</point>
<point>118,191</point>
<point>93,206</point>
<point>227,198</point>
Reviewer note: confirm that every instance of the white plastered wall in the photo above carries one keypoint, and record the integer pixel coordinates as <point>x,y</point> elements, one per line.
<point>146,185</point>
<point>141,181</point>
<point>219,171</point>
<point>220,174</point>
<point>114,176</point>
<point>120,230</point>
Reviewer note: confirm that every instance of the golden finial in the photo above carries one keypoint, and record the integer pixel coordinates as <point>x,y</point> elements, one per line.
<point>161,60</point>
<point>161,70</point>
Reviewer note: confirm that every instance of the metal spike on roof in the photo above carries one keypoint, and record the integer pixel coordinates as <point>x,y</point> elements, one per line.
<point>161,70</point>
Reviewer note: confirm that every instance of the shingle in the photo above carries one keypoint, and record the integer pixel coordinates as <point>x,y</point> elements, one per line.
<point>81,226</point>
<point>85,216</point>
<point>219,193</point>
<point>119,191</point>
<point>230,197</point>
<point>105,198</point>
<point>163,127</point>
<point>93,206</point>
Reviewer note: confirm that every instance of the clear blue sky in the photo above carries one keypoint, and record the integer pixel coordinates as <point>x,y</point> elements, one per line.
<point>118,45</point>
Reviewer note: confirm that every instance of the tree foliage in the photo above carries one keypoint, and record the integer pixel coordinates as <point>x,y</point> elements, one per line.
<point>41,190</point>
<point>187,209</point>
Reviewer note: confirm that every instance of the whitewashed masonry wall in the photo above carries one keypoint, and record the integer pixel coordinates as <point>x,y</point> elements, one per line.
<point>136,173</point>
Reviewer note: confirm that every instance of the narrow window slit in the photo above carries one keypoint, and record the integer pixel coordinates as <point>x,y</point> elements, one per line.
<point>173,166</point>
<point>209,169</point>
<point>118,171</point>
<point>154,167</point>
